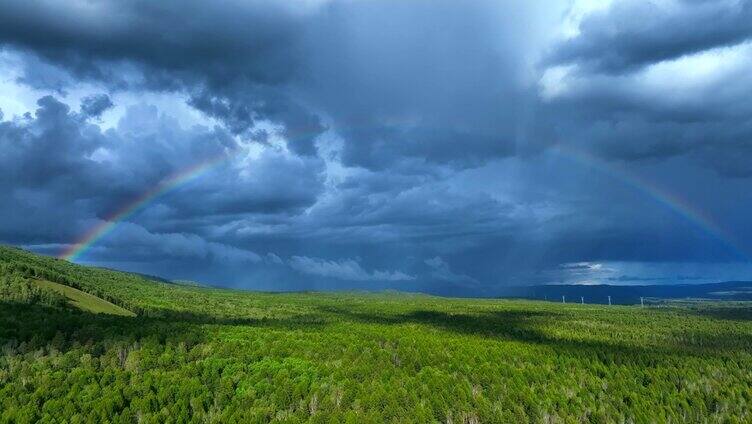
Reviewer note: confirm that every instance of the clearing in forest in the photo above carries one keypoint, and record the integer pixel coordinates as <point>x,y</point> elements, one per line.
<point>85,301</point>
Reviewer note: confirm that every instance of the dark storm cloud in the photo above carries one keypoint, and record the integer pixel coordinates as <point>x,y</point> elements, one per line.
<point>148,246</point>
<point>438,81</point>
<point>620,128</point>
<point>58,167</point>
<point>417,136</point>
<point>635,33</point>
<point>183,39</point>
<point>94,106</point>
<point>441,271</point>
<point>653,81</point>
<point>51,148</point>
<point>434,82</point>
<point>398,75</point>
<point>232,58</point>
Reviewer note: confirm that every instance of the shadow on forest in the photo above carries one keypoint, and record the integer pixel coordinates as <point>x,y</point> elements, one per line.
<point>39,325</point>
<point>729,313</point>
<point>526,326</point>
<point>518,325</point>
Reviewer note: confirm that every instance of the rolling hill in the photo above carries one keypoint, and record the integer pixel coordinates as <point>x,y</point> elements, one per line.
<point>193,354</point>
<point>84,301</point>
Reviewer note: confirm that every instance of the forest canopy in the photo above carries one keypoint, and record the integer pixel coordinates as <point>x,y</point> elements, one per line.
<point>194,354</point>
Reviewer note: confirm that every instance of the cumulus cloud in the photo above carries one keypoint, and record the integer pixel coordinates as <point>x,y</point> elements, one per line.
<point>273,259</point>
<point>56,165</point>
<point>632,33</point>
<point>296,66</point>
<point>232,62</point>
<point>582,266</point>
<point>144,244</point>
<point>441,271</point>
<point>649,81</point>
<point>461,103</point>
<point>345,269</point>
<point>93,106</point>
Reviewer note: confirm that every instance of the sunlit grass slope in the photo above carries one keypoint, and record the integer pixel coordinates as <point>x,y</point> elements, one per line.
<point>85,301</point>
<point>208,355</point>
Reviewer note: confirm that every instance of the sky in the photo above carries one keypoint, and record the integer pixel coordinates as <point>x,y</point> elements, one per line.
<point>446,147</point>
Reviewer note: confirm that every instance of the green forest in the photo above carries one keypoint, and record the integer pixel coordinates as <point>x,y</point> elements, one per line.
<point>81,344</point>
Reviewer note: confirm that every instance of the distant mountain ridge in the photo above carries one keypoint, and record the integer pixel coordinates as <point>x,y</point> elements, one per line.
<point>629,295</point>
<point>93,280</point>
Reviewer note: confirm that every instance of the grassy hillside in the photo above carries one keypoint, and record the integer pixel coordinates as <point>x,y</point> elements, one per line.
<point>84,301</point>
<point>196,354</point>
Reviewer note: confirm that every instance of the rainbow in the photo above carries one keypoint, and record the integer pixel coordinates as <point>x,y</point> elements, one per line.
<point>671,201</point>
<point>167,185</point>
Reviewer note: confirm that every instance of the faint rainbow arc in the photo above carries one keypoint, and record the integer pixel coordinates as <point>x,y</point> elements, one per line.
<point>165,186</point>
<point>172,182</point>
<point>669,200</point>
